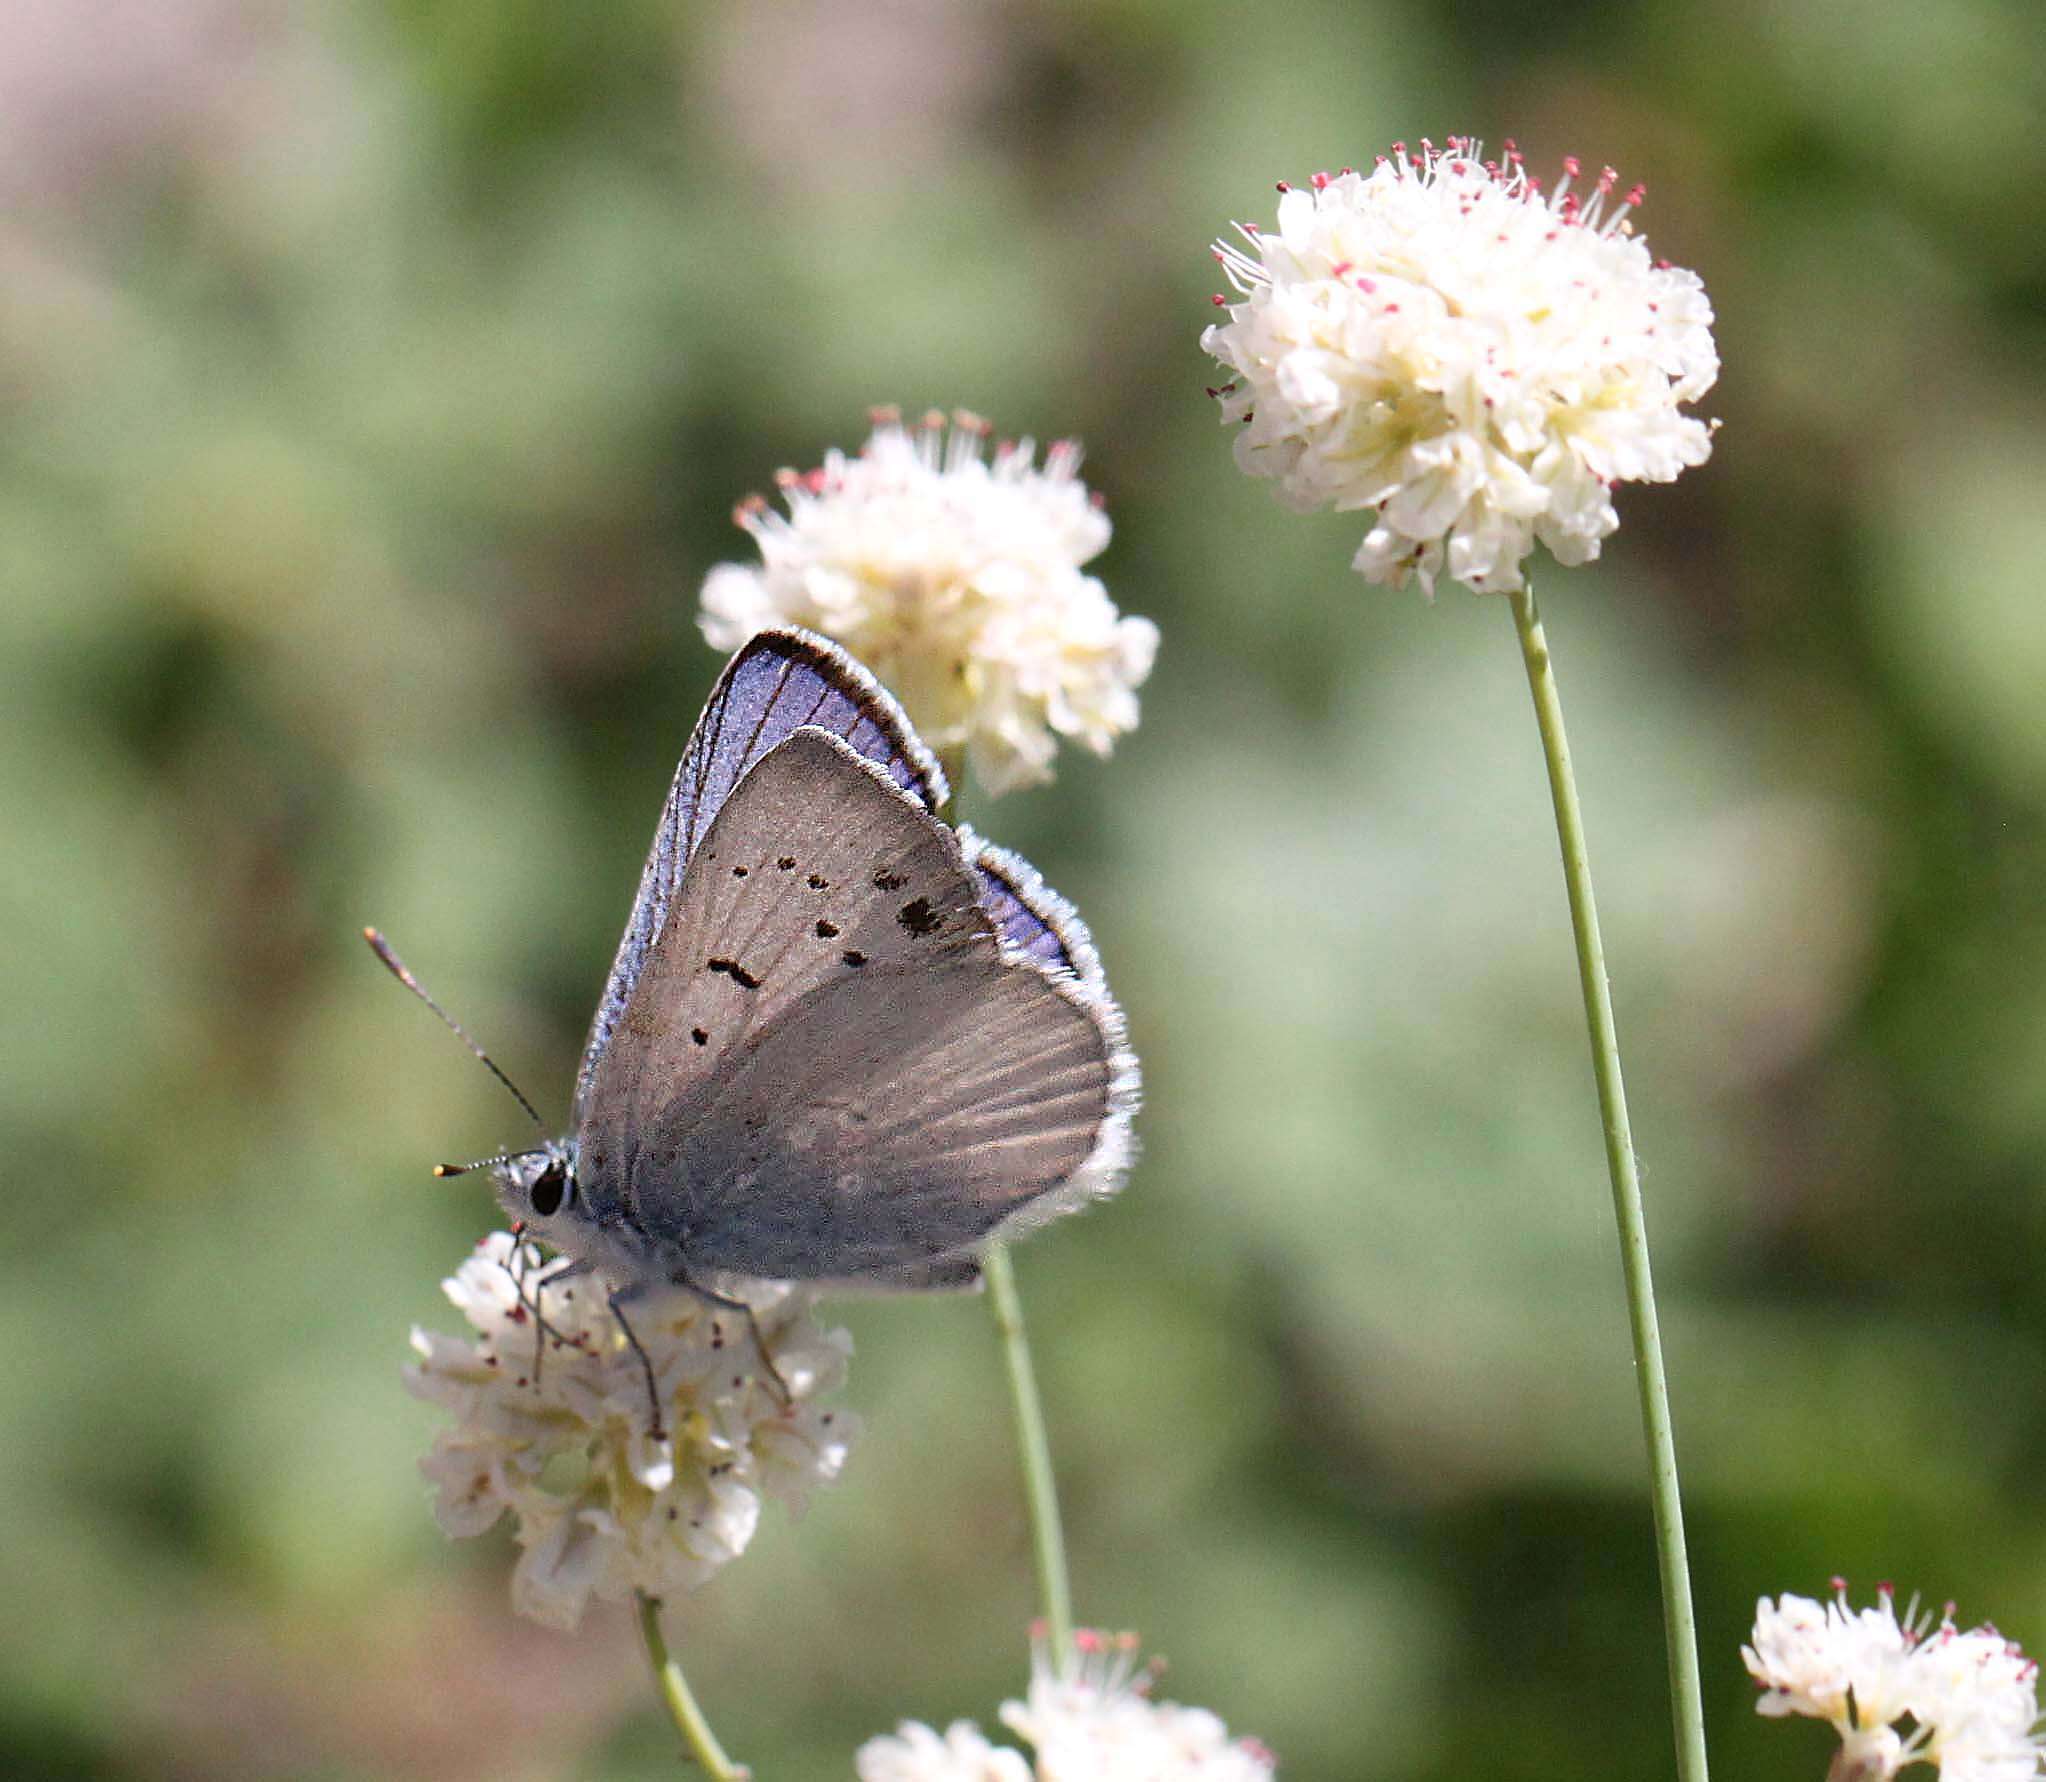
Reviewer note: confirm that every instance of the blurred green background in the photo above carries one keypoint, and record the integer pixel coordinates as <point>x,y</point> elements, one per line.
<point>377,382</point>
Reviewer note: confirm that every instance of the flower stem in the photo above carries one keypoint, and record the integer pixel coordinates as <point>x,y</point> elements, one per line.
<point>1033,1442</point>
<point>1679,1621</point>
<point>1040,1490</point>
<point>680,1703</point>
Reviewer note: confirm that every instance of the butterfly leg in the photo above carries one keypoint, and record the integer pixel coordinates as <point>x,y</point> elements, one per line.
<point>730,1304</point>
<point>616,1301</point>
<point>529,1282</point>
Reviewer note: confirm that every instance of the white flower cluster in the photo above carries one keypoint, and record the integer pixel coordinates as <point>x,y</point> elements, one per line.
<point>553,1424</point>
<point>1476,359</point>
<point>1092,1720</point>
<point>957,580</point>
<point>1971,1697</point>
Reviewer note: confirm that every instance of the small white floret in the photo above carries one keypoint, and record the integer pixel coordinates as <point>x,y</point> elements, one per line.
<point>1898,1689</point>
<point>1091,1717</point>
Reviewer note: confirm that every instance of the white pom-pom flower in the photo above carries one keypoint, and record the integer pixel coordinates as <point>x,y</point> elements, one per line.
<point>553,1424</point>
<point>918,1753</point>
<point>1477,360</point>
<point>957,579</point>
<point>1971,1698</point>
<point>1092,1719</point>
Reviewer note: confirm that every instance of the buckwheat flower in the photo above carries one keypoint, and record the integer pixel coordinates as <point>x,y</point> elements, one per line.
<point>1976,1696</point>
<point>1475,359</point>
<point>957,578</point>
<point>553,1425</point>
<point>1810,1656</point>
<point>1092,1719</point>
<point>1970,1699</point>
<point>961,1753</point>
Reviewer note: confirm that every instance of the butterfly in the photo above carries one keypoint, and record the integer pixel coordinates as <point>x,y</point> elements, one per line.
<point>842,1042</point>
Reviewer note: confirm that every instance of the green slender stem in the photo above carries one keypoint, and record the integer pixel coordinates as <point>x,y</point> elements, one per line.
<point>1679,1622</point>
<point>1033,1442</point>
<point>1040,1490</point>
<point>680,1703</point>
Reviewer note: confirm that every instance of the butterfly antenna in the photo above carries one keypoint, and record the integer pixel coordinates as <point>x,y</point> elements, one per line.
<point>403,973</point>
<point>490,1162</point>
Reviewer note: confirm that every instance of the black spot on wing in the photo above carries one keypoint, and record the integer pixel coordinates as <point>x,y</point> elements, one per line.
<point>699,1036</point>
<point>732,969</point>
<point>787,863</point>
<point>817,883</point>
<point>884,880</point>
<point>853,956</point>
<point>919,918</point>
<point>826,930</point>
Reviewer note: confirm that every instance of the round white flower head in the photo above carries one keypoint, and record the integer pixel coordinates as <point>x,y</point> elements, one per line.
<point>957,580</point>
<point>1478,360</point>
<point>553,1424</point>
<point>1091,1720</point>
<point>1971,1698</point>
<point>916,1753</point>
<point>1095,1716</point>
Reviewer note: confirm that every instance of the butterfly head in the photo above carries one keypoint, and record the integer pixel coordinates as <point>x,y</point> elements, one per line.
<point>537,1189</point>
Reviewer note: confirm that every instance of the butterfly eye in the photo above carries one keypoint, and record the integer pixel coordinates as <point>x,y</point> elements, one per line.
<point>549,1190</point>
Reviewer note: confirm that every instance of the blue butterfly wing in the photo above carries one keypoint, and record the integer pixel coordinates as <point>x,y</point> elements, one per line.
<point>778,682</point>
<point>1033,923</point>
<point>1030,918</point>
